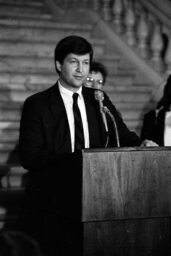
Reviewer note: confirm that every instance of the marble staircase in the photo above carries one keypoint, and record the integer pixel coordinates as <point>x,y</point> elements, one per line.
<point>29,32</point>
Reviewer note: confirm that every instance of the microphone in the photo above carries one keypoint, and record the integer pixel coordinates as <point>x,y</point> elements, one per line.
<point>107,111</point>
<point>99,96</point>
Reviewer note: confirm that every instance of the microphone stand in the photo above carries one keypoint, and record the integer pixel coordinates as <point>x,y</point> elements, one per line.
<point>107,111</point>
<point>105,124</point>
<point>99,96</point>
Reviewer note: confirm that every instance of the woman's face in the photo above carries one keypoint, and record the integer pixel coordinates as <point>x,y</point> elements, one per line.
<point>95,80</point>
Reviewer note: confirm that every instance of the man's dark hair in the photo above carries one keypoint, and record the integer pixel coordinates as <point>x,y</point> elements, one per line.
<point>72,44</point>
<point>96,66</point>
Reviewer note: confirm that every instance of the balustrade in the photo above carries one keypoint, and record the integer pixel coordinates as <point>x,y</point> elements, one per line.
<point>131,19</point>
<point>168,57</point>
<point>156,47</point>
<point>118,14</point>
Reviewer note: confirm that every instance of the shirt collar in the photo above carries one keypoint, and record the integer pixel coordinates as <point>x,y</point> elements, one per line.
<point>67,92</point>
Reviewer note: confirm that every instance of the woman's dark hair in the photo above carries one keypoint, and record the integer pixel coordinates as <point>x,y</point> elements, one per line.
<point>72,44</point>
<point>15,243</point>
<point>96,66</point>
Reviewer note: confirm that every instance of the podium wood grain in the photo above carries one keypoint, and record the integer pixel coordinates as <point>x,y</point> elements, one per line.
<point>126,201</point>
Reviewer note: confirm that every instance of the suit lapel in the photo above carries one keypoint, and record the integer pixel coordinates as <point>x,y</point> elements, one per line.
<point>56,102</point>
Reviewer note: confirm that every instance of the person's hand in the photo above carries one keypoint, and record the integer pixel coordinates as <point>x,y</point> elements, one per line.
<point>149,143</point>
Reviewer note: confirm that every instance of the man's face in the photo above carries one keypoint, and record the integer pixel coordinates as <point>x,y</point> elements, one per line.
<point>74,70</point>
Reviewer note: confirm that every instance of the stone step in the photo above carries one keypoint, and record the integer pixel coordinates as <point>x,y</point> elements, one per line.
<point>11,115</point>
<point>8,146</point>
<point>18,48</point>
<point>129,97</point>
<point>122,86</point>
<point>21,2</point>
<point>9,125</point>
<point>126,77</point>
<point>131,123</point>
<point>26,63</point>
<point>136,106</point>
<point>22,6</point>
<point>21,9</point>
<point>15,95</point>
<point>128,114</point>
<point>24,15</point>
<point>44,49</point>
<point>38,82</point>
<point>114,63</point>
<point>10,133</point>
<point>134,125</point>
<point>52,33</point>
<point>144,91</point>
<point>119,79</point>
<point>49,22</point>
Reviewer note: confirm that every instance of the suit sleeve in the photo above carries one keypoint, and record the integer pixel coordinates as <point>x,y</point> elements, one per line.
<point>127,138</point>
<point>148,128</point>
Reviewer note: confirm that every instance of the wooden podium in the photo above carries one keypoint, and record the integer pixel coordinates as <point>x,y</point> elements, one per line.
<point>126,201</point>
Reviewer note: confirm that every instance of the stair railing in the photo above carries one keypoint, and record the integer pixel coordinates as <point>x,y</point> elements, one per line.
<point>144,25</point>
<point>142,28</point>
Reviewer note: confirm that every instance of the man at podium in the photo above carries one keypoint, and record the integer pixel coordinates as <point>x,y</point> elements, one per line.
<point>55,125</point>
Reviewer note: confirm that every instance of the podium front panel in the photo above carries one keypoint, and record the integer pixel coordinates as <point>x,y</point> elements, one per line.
<point>126,183</point>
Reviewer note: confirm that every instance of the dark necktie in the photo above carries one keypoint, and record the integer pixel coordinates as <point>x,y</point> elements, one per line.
<point>79,134</point>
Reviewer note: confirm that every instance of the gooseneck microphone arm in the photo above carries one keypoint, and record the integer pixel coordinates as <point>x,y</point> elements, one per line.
<point>107,111</point>
<point>99,96</point>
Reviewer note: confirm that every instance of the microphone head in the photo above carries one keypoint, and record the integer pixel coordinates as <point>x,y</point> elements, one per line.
<point>99,95</point>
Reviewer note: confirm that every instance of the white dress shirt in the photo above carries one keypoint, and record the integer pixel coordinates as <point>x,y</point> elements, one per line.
<point>68,102</point>
<point>167,129</point>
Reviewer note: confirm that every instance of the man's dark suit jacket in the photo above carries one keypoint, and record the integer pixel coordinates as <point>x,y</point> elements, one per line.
<point>45,146</point>
<point>153,126</point>
<point>54,187</point>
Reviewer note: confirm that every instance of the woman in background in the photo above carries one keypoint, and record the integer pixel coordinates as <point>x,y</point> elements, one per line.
<point>157,122</point>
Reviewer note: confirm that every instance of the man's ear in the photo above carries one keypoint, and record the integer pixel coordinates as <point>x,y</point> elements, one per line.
<point>58,66</point>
